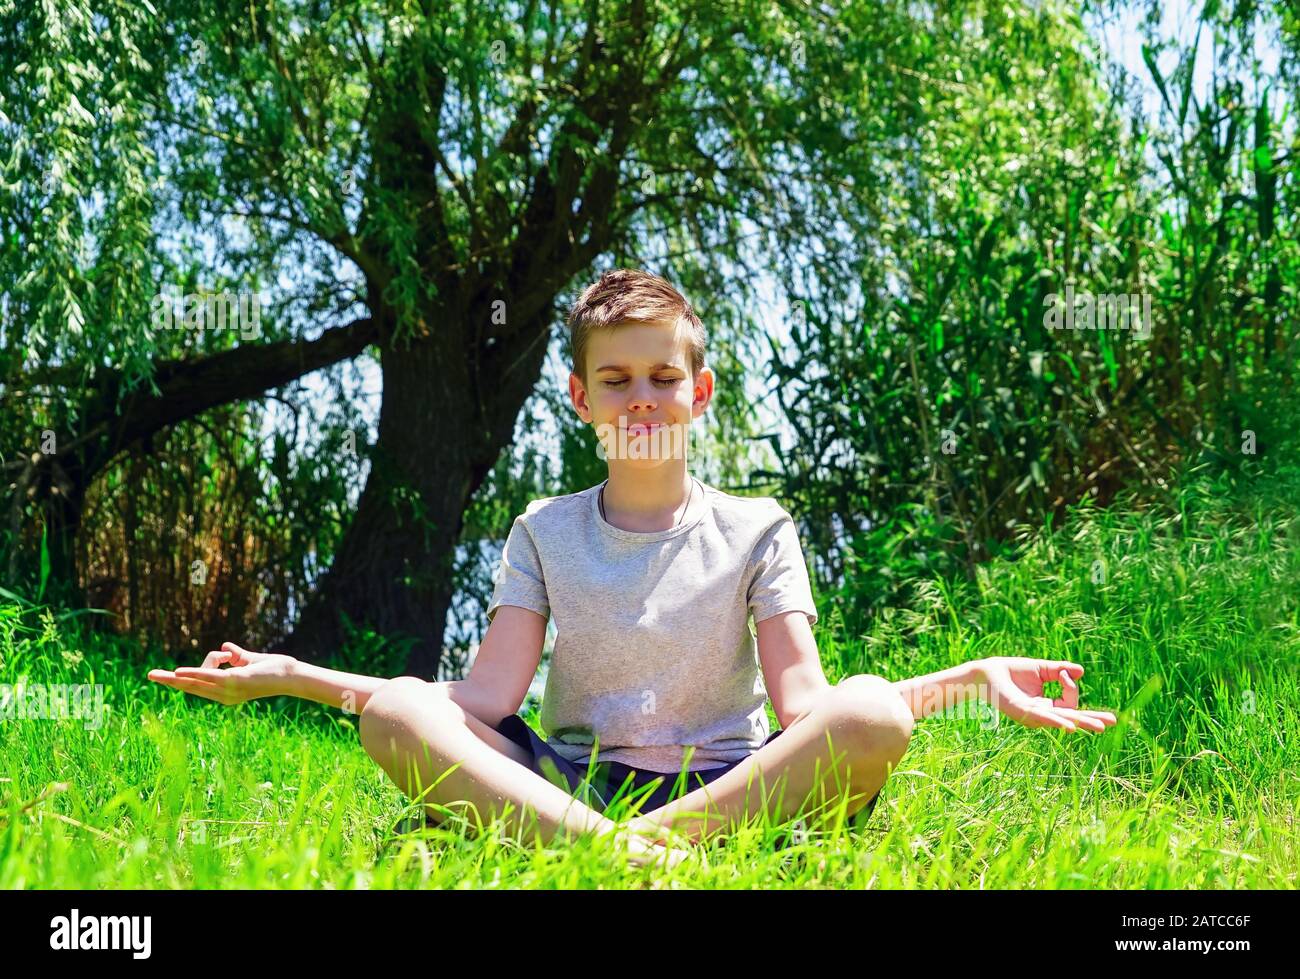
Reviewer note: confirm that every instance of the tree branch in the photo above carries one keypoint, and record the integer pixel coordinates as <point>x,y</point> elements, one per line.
<point>187,388</point>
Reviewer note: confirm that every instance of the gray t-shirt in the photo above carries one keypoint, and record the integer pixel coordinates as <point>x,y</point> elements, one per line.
<point>653,647</point>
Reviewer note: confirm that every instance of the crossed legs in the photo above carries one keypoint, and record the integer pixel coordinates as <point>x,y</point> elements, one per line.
<point>438,753</point>
<point>845,745</point>
<point>840,751</point>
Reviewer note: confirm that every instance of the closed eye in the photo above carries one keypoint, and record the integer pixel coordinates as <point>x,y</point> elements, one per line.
<point>662,382</point>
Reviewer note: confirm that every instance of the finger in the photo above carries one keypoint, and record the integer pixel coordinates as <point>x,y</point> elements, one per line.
<point>1035,714</point>
<point>1048,718</point>
<point>209,691</point>
<point>1105,716</point>
<point>1050,669</point>
<point>216,657</point>
<point>240,652</point>
<point>199,673</point>
<point>1092,724</point>
<point>1064,723</point>
<point>1069,691</point>
<point>1054,667</point>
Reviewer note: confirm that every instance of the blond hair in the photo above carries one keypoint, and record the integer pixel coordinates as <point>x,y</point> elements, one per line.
<point>632,296</point>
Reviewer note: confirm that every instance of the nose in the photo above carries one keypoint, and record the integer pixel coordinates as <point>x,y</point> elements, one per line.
<point>641,400</point>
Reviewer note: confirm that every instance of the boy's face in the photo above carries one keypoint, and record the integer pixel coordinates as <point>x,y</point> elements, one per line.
<point>642,397</point>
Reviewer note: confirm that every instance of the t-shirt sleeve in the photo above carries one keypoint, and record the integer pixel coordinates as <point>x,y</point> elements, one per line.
<point>778,576</point>
<point>519,579</point>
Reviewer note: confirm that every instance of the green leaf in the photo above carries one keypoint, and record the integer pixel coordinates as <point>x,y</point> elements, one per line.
<point>45,562</point>
<point>1149,56</point>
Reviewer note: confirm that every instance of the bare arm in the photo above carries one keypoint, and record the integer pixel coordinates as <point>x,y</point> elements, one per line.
<point>792,668</point>
<point>938,691</point>
<point>498,681</point>
<point>794,678</point>
<point>1012,685</point>
<point>505,665</point>
<point>350,691</point>
<point>334,688</point>
<point>250,676</point>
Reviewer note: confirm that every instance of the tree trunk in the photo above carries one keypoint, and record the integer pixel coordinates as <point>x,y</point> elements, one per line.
<point>392,571</point>
<point>445,418</point>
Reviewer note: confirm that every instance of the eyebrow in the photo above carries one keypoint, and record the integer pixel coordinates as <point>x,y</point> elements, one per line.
<point>628,370</point>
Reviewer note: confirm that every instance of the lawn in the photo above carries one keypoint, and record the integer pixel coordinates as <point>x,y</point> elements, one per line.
<point>1185,617</point>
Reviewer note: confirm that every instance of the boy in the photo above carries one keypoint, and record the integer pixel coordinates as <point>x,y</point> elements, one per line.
<point>657,685</point>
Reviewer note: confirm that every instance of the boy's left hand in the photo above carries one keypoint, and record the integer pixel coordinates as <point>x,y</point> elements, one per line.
<point>1014,685</point>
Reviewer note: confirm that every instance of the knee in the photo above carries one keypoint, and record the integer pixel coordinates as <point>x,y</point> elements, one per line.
<point>390,709</point>
<point>871,716</point>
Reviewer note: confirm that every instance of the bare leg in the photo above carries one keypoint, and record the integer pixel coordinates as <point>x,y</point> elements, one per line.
<point>438,753</point>
<point>869,726</point>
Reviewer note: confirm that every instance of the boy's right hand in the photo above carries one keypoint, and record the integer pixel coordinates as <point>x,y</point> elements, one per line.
<point>249,676</point>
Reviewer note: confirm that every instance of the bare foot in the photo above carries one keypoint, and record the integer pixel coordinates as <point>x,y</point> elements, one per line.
<point>642,851</point>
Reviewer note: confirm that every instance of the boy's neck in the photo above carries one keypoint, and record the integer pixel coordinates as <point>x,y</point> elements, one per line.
<point>646,500</point>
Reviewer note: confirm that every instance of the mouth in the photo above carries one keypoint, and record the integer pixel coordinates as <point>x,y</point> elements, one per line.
<point>643,428</point>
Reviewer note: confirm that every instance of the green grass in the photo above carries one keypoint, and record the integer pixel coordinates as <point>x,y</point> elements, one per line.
<point>1189,632</point>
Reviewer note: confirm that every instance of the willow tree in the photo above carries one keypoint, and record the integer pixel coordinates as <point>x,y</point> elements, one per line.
<point>93,230</point>
<point>449,173</point>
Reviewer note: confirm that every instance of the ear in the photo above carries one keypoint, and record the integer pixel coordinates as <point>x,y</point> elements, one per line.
<point>702,392</point>
<point>578,395</point>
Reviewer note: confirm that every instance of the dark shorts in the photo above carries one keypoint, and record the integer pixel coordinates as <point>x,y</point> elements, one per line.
<point>611,779</point>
